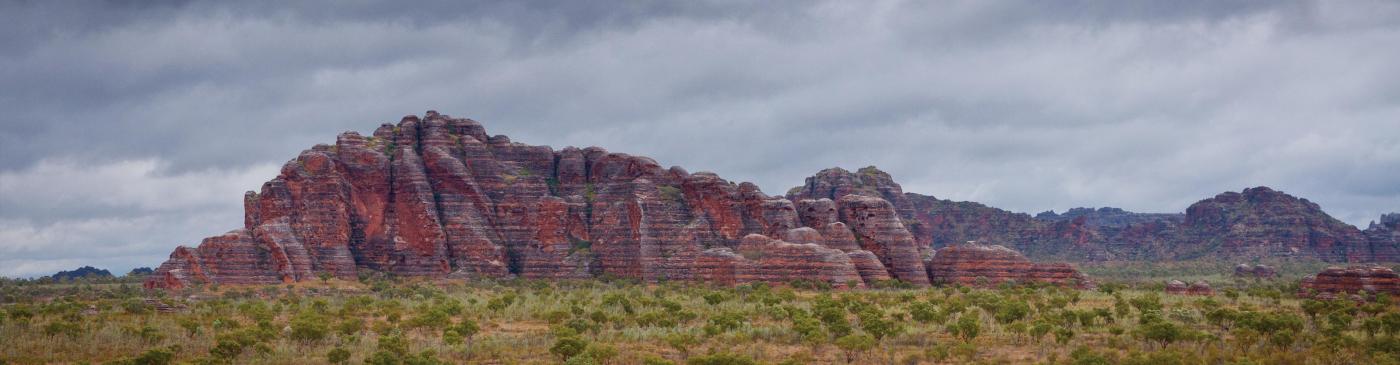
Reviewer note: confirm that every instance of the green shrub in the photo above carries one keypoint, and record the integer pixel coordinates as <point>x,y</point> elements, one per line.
<point>854,344</point>
<point>722,358</point>
<point>338,355</point>
<point>568,347</point>
<point>309,327</point>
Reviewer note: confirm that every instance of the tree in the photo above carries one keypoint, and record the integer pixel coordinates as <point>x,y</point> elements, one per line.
<point>1162,332</point>
<point>1012,311</point>
<point>967,327</point>
<point>682,342</point>
<point>567,347</point>
<point>1039,330</point>
<point>854,344</point>
<point>923,312</point>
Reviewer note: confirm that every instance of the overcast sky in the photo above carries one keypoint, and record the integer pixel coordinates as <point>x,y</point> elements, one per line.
<point>128,129</point>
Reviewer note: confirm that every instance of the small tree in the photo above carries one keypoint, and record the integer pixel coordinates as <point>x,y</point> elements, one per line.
<point>1063,335</point>
<point>967,327</point>
<point>682,342</point>
<point>855,344</point>
<point>1162,332</point>
<point>568,347</point>
<point>1039,330</point>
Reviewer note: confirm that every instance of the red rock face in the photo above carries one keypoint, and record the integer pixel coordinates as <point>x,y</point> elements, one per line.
<point>1336,282</point>
<point>436,196</point>
<point>1175,287</point>
<point>988,265</point>
<point>878,229</point>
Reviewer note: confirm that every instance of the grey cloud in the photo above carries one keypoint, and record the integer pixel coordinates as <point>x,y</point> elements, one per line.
<point>1028,106</point>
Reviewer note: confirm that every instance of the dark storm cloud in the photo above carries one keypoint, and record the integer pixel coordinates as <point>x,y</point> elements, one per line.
<point>130,127</point>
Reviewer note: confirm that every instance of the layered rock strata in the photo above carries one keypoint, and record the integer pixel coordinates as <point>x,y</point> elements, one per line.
<point>987,265</point>
<point>436,196</point>
<point>1335,282</point>
<point>1256,223</point>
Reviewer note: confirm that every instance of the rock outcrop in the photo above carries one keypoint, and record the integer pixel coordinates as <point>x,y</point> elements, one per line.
<point>437,196</point>
<point>1335,282</point>
<point>987,265</point>
<point>1262,222</point>
<point>1256,271</point>
<point>1175,287</point>
<point>1384,236</point>
<point>1200,287</point>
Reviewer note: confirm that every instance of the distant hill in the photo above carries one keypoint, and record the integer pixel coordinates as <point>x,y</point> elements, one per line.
<point>140,271</point>
<point>82,272</point>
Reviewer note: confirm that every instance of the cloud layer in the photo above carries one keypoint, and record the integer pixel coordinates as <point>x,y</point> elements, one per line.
<point>130,129</point>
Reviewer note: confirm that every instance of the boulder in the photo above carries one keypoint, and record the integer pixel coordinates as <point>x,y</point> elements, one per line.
<point>988,265</point>
<point>1176,287</point>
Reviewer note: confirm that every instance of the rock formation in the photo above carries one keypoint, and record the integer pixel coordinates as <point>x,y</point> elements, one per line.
<point>1176,287</point>
<point>1335,282</point>
<point>1200,287</point>
<point>987,265</point>
<point>1256,271</point>
<point>437,196</point>
<point>1385,235</point>
<point>1262,222</point>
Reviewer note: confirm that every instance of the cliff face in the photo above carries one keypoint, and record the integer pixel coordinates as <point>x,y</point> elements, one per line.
<point>436,196</point>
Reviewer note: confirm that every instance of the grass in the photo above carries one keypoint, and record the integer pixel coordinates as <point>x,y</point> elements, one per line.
<point>622,322</point>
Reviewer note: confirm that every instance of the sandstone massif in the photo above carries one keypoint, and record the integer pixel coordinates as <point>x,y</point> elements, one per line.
<point>437,196</point>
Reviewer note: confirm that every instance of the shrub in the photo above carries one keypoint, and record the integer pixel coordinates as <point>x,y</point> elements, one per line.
<point>150,357</point>
<point>350,326</point>
<point>682,342</point>
<point>967,327</point>
<point>63,328</point>
<point>338,355</point>
<point>568,347</point>
<point>724,322</point>
<point>309,327</point>
<point>721,359</point>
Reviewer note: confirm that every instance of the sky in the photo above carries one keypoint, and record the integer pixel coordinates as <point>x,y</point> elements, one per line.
<point>128,128</point>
